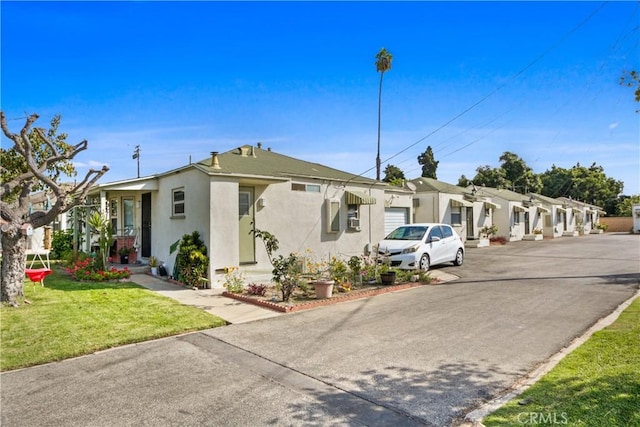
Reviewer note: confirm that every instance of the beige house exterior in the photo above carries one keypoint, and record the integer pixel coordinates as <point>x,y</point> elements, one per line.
<point>518,218</point>
<point>555,218</point>
<point>585,215</point>
<point>309,207</point>
<point>466,211</point>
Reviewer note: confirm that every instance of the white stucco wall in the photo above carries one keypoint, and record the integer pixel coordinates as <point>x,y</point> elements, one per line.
<point>166,229</point>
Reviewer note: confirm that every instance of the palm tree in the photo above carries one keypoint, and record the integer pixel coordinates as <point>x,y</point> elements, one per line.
<point>383,63</point>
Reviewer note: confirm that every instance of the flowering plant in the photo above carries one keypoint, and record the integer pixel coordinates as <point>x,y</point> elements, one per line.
<point>86,270</point>
<point>234,280</point>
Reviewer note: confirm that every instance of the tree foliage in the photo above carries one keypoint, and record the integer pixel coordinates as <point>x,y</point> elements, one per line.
<point>30,171</point>
<point>393,175</point>
<point>631,79</point>
<point>429,163</point>
<point>626,203</point>
<point>590,185</point>
<point>513,174</point>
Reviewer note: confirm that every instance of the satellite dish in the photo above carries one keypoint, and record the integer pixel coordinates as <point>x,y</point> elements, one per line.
<point>411,186</point>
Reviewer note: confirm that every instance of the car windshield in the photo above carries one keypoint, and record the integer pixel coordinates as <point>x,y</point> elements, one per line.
<point>407,233</point>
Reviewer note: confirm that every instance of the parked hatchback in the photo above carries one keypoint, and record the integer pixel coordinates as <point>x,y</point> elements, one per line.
<point>419,246</point>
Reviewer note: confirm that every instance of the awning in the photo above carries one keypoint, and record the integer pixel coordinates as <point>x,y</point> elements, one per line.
<point>561,210</point>
<point>576,210</point>
<point>359,198</point>
<point>490,205</point>
<point>461,203</point>
<point>592,211</point>
<point>543,210</point>
<point>602,212</point>
<point>519,209</point>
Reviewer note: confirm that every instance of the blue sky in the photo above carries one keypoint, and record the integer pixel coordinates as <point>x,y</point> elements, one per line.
<point>471,79</point>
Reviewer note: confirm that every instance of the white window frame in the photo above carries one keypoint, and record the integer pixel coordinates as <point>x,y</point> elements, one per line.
<point>176,203</point>
<point>456,211</point>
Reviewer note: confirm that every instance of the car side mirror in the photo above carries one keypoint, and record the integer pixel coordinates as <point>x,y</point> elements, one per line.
<point>434,239</point>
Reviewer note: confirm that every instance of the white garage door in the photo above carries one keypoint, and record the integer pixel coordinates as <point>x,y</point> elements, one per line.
<point>394,218</point>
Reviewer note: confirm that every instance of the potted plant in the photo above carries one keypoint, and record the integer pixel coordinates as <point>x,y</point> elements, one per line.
<point>124,254</point>
<point>388,277</point>
<point>153,263</point>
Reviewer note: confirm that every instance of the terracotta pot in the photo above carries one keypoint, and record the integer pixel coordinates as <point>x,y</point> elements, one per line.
<point>324,288</point>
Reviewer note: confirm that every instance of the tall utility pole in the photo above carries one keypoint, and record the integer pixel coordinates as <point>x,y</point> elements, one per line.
<point>136,155</point>
<point>383,63</point>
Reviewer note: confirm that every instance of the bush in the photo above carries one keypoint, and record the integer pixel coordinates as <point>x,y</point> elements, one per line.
<point>192,261</point>
<point>499,240</point>
<point>61,243</point>
<point>256,289</point>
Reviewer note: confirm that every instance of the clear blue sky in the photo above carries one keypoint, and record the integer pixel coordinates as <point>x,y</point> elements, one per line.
<point>471,79</point>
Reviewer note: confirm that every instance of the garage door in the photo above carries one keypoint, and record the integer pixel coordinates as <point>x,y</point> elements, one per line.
<point>394,218</point>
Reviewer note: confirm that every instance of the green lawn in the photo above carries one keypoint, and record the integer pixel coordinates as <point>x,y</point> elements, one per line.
<point>598,384</point>
<point>68,318</point>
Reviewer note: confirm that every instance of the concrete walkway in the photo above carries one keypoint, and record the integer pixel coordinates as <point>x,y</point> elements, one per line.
<point>212,301</point>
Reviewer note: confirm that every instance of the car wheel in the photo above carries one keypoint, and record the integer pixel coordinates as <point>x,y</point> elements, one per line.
<point>459,258</point>
<point>425,262</point>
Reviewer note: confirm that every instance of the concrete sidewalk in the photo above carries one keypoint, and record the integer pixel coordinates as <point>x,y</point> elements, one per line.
<point>212,301</point>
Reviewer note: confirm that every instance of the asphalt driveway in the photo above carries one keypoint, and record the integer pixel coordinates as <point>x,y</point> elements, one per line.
<point>424,356</point>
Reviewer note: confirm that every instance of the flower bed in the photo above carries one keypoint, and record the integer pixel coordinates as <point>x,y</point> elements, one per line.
<point>300,301</point>
<point>85,270</point>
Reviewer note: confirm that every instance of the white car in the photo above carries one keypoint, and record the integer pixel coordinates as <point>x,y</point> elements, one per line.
<point>419,246</point>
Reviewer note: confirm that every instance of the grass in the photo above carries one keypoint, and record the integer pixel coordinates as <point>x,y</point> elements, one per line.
<point>598,384</point>
<point>68,318</point>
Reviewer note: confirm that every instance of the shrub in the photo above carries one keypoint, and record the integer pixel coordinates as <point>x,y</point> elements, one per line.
<point>192,261</point>
<point>61,243</point>
<point>499,240</point>
<point>257,289</point>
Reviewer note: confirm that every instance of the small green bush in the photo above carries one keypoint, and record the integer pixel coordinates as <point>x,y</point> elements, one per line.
<point>192,261</point>
<point>61,243</point>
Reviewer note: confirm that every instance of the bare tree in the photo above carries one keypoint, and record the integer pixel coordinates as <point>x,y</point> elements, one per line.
<point>33,166</point>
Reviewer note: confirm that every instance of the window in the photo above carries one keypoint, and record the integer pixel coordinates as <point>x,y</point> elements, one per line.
<point>456,215</point>
<point>516,217</point>
<point>177,200</point>
<point>333,215</point>
<point>127,220</point>
<point>311,188</point>
<point>113,214</point>
<point>446,231</point>
<point>435,232</point>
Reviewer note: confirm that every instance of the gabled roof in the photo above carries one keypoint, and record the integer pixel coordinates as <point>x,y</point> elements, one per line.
<point>546,199</point>
<point>424,185</point>
<point>572,202</point>
<point>505,194</point>
<point>254,161</point>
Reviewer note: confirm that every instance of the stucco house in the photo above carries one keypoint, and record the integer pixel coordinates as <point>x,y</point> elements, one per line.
<point>585,216</point>
<point>465,210</point>
<point>518,217</point>
<point>555,219</point>
<point>307,206</point>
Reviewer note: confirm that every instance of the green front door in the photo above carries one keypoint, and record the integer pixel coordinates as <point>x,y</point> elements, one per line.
<point>246,215</point>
